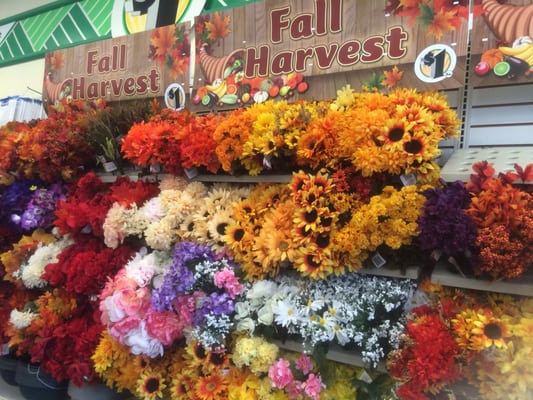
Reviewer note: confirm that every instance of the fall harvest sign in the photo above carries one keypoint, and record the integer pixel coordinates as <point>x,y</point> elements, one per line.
<point>310,48</point>
<point>272,49</point>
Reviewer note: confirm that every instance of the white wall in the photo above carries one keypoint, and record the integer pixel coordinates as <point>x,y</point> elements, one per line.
<point>15,79</point>
<point>8,8</point>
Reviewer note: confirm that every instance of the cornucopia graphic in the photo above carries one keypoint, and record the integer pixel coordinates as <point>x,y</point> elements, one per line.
<point>513,27</point>
<point>226,84</point>
<point>508,22</point>
<point>56,90</point>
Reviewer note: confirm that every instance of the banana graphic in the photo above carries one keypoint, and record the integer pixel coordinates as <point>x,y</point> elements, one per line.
<point>524,53</point>
<point>219,90</point>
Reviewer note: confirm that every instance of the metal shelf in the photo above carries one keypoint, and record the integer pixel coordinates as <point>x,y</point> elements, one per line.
<point>503,159</point>
<point>521,286</point>
<point>281,178</point>
<point>393,272</point>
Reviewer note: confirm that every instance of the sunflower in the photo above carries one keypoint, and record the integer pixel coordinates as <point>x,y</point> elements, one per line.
<point>187,228</point>
<point>478,329</point>
<point>395,129</point>
<point>217,226</point>
<point>211,387</point>
<point>313,263</point>
<point>150,385</point>
<point>195,355</point>
<point>182,386</point>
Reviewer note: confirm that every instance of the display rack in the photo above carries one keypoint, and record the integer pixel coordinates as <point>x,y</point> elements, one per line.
<point>392,271</point>
<point>134,175</point>
<point>503,159</point>
<point>445,274</point>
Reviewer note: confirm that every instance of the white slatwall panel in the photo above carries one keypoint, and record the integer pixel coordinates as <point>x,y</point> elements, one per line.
<point>501,116</point>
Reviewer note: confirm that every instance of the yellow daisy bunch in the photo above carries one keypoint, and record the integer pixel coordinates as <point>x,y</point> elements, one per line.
<point>275,133</point>
<point>115,365</point>
<point>388,219</point>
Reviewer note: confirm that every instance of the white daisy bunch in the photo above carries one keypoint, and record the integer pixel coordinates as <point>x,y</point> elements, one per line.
<point>255,307</point>
<point>357,311</point>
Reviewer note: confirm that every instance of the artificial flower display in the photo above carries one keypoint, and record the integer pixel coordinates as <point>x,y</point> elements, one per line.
<point>377,133</point>
<point>57,147</point>
<point>89,199</point>
<point>282,377</point>
<point>182,211</point>
<point>465,343</point>
<point>10,136</point>
<point>13,259</point>
<point>126,307</point>
<point>201,288</point>
<point>317,225</point>
<point>444,225</point>
<point>60,332</point>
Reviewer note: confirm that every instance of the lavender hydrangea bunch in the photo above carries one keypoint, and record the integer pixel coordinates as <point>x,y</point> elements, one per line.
<point>444,225</point>
<point>14,199</point>
<point>39,212</point>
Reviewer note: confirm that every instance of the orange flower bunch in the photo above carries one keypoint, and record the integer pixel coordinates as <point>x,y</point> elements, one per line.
<point>157,141</point>
<point>377,133</point>
<point>52,148</point>
<point>503,215</point>
<point>231,135</point>
<point>198,144</point>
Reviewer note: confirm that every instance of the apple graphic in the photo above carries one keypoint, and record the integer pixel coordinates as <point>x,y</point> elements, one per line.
<point>482,68</point>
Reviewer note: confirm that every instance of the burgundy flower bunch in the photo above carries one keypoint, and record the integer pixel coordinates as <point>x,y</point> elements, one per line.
<point>445,225</point>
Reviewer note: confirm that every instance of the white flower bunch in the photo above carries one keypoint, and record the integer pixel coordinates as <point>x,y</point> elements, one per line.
<point>30,272</point>
<point>21,319</point>
<point>354,310</point>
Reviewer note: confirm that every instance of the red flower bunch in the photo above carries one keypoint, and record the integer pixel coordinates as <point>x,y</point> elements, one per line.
<point>84,267</point>
<point>427,359</point>
<point>64,336</point>
<point>89,200</point>
<point>157,141</point>
<point>58,147</point>
<point>502,212</point>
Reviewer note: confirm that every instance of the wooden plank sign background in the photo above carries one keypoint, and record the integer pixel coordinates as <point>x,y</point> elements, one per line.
<point>326,43</point>
<point>140,65</point>
<point>502,33</point>
<point>298,49</point>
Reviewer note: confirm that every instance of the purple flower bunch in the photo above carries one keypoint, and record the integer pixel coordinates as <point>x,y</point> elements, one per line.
<point>444,225</point>
<point>28,204</point>
<point>201,287</point>
<point>39,212</point>
<point>179,279</point>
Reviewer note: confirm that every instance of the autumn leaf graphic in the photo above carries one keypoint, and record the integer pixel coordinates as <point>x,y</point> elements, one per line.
<point>218,28</point>
<point>162,40</point>
<point>392,77</point>
<point>442,21</point>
